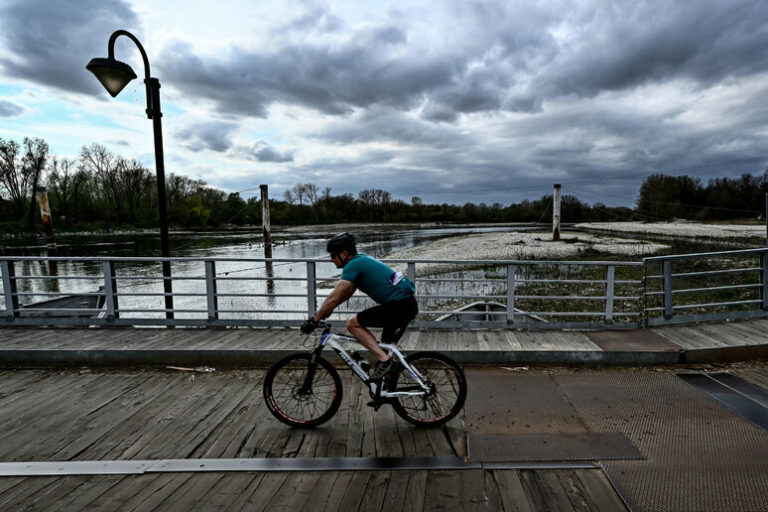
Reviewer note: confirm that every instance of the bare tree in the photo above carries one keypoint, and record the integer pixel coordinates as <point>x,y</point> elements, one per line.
<point>311,191</point>
<point>289,198</point>
<point>376,201</point>
<point>102,163</point>
<point>34,162</point>
<point>12,177</point>
<point>63,183</point>
<point>136,183</point>
<point>299,192</point>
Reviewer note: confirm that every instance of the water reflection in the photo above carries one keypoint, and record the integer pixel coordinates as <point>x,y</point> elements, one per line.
<point>246,288</point>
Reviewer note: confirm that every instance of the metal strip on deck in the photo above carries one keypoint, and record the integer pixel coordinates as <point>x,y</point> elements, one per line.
<point>714,385</point>
<point>277,464</point>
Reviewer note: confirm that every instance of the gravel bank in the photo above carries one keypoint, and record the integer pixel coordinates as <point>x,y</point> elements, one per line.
<point>679,229</point>
<point>520,246</point>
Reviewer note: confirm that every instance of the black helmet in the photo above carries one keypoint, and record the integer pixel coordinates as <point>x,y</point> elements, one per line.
<point>340,243</point>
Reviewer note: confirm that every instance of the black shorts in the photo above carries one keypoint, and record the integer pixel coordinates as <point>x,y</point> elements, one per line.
<point>393,317</point>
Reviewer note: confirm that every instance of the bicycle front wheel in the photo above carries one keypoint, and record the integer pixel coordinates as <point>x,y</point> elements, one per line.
<point>302,393</point>
<point>447,390</point>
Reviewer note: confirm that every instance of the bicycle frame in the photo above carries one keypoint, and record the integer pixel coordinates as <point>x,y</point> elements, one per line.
<point>332,340</point>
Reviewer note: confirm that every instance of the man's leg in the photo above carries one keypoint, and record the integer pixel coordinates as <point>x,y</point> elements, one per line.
<point>366,338</point>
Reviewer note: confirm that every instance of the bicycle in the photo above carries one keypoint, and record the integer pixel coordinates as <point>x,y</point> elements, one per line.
<point>305,390</point>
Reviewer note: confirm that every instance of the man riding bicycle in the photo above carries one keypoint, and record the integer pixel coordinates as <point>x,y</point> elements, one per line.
<point>393,293</point>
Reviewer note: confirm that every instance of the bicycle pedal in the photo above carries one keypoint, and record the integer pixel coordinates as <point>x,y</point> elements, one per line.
<point>376,405</point>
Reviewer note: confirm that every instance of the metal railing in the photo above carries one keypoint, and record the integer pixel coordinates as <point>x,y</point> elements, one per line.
<point>707,286</point>
<point>270,292</point>
<point>283,292</point>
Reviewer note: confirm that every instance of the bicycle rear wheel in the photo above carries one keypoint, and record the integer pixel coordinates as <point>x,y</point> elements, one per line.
<point>302,393</point>
<point>448,390</point>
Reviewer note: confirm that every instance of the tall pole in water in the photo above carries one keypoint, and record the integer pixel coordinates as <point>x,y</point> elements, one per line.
<point>556,213</point>
<point>265,221</point>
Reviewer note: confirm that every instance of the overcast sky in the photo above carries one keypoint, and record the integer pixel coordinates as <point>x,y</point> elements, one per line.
<point>451,101</point>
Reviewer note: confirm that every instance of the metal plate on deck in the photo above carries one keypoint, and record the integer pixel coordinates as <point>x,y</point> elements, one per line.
<point>504,402</point>
<point>635,339</point>
<point>550,447</point>
<point>700,455</point>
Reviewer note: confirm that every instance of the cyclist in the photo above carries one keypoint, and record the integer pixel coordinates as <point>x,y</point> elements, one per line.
<point>393,293</point>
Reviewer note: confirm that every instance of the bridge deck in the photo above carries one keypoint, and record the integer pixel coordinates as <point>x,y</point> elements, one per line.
<point>725,341</point>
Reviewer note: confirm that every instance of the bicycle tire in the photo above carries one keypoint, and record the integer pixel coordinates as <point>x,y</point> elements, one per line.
<point>296,407</point>
<point>449,390</point>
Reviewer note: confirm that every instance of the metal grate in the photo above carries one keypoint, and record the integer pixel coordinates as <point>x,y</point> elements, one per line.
<point>700,455</point>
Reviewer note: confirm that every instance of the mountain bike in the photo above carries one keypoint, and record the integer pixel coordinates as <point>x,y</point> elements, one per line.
<point>304,389</point>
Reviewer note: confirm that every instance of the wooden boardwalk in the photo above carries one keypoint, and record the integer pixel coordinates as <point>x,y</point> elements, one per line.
<point>751,333</point>
<point>119,415</point>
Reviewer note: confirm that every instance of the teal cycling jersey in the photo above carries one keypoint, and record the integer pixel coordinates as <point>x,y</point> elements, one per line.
<point>376,279</point>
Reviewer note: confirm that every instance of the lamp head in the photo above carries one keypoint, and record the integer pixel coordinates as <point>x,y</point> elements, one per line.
<point>113,74</point>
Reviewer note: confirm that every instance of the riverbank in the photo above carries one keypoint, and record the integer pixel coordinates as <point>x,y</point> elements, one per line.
<point>524,246</point>
<point>680,229</point>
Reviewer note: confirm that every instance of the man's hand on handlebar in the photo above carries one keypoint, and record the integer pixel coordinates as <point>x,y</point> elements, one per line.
<point>309,326</point>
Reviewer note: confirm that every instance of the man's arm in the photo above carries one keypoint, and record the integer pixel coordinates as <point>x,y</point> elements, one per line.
<point>341,292</point>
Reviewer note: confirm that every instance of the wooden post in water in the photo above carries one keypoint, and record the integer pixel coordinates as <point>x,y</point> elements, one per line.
<point>265,221</point>
<point>45,212</point>
<point>556,213</point>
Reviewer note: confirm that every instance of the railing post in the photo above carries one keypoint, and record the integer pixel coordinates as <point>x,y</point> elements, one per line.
<point>110,290</point>
<point>9,290</point>
<point>311,289</point>
<point>765,280</point>
<point>610,282</point>
<point>210,290</point>
<point>667,287</point>
<point>511,270</point>
<point>412,272</point>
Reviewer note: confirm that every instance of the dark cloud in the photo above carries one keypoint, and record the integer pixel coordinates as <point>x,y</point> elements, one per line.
<point>705,41</point>
<point>502,57</point>
<point>50,42</point>
<point>211,135</point>
<point>10,109</point>
<point>263,152</point>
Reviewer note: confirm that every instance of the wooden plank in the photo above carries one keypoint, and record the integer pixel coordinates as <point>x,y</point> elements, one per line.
<point>91,422</point>
<point>455,490</point>
<point>28,424</point>
<point>232,491</point>
<point>545,491</point>
<point>513,340</point>
<point>88,495</point>
<point>416,490</point>
<point>597,491</point>
<point>511,491</point>
<point>20,495</point>
<point>130,415</point>
<point>192,494</point>
<point>145,492</point>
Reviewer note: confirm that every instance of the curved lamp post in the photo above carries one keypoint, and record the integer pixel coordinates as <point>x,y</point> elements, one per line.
<point>114,76</point>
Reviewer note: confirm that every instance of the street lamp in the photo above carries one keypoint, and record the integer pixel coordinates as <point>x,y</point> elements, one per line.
<point>114,76</point>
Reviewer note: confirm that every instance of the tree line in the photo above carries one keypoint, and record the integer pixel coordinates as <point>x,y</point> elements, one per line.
<point>103,190</point>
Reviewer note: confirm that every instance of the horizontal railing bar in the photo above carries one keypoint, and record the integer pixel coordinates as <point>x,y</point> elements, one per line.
<point>565,313</point>
<point>58,294</point>
<point>560,297</point>
<point>711,272</point>
<point>717,288</point>
<point>718,304</point>
<point>707,254</point>
<point>259,278</point>
<point>123,259</point>
<point>58,310</point>
<point>464,280</point>
<point>276,295</point>
<point>83,278</point>
<point>577,281</point>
